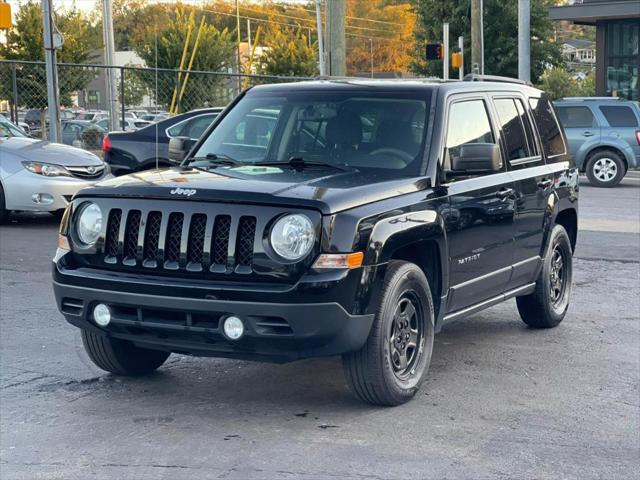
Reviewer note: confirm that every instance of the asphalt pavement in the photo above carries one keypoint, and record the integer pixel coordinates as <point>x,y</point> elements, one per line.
<point>500,400</point>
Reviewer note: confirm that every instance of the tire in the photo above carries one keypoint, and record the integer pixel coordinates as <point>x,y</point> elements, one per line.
<point>4,214</point>
<point>376,373</point>
<point>605,169</point>
<point>121,357</point>
<point>548,304</point>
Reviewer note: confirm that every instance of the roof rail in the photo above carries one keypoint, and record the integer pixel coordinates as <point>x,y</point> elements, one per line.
<point>474,77</point>
<point>581,99</point>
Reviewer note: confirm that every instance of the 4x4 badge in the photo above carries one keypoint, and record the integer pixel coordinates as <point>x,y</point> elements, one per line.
<point>187,192</point>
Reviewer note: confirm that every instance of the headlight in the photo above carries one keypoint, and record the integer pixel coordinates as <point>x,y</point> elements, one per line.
<point>46,169</point>
<point>292,236</point>
<point>89,224</point>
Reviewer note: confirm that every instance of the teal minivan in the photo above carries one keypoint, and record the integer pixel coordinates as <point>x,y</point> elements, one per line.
<point>603,135</point>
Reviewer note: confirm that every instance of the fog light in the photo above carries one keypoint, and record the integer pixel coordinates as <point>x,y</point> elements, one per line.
<point>102,315</point>
<point>233,328</point>
<point>42,198</point>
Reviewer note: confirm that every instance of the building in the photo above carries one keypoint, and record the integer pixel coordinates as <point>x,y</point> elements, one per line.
<point>617,25</point>
<point>579,51</point>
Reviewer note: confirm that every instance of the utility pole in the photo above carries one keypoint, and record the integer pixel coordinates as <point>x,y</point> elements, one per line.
<point>52,41</point>
<point>336,37</point>
<point>107,35</point>
<point>445,60</point>
<point>371,54</point>
<point>476,37</point>
<point>461,47</point>
<point>320,39</point>
<point>239,54</point>
<point>524,40</point>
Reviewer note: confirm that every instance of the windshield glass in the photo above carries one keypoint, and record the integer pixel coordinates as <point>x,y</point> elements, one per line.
<point>8,129</point>
<point>372,131</point>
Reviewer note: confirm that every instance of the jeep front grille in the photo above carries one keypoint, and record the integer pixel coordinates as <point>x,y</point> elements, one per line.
<point>194,242</point>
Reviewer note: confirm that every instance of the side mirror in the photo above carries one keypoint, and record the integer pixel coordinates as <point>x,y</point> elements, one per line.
<point>477,158</point>
<point>179,147</point>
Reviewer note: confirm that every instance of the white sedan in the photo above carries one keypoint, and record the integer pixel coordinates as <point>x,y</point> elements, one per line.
<point>41,176</point>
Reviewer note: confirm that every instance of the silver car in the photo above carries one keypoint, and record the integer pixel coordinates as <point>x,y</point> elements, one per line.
<point>40,176</point>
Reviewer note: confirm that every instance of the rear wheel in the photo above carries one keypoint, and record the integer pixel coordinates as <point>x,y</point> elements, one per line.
<point>548,304</point>
<point>121,357</point>
<point>390,367</point>
<point>605,169</point>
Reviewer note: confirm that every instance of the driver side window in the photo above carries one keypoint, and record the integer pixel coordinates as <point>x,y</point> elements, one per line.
<point>468,123</point>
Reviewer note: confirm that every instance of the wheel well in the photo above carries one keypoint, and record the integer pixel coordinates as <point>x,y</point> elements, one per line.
<point>426,255</point>
<point>604,149</point>
<point>162,162</point>
<point>569,220</point>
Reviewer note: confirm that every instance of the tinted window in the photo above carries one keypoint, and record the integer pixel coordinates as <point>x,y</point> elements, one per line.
<point>548,128</point>
<point>468,123</point>
<point>198,125</point>
<point>576,117</point>
<point>619,116</point>
<point>511,122</point>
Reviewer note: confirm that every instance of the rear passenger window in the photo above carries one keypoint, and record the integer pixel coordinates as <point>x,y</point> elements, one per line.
<point>618,116</point>
<point>576,117</point>
<point>468,123</point>
<point>548,128</point>
<point>511,123</point>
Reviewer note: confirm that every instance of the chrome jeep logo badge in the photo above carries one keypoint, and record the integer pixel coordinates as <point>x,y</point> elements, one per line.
<point>187,192</point>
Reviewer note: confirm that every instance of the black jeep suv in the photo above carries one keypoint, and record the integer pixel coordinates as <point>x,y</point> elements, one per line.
<point>346,217</point>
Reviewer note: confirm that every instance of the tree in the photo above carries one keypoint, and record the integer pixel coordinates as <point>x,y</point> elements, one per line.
<point>558,83</point>
<point>216,53</point>
<point>289,54</point>
<point>134,89</point>
<point>389,47</point>
<point>500,35</point>
<point>25,42</point>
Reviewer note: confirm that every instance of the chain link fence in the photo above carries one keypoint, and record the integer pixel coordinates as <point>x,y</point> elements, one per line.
<point>23,91</point>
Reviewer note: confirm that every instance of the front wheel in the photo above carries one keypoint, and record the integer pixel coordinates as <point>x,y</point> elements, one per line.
<point>4,214</point>
<point>121,357</point>
<point>390,367</point>
<point>548,304</point>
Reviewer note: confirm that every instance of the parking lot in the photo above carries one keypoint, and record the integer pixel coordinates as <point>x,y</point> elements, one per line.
<point>500,400</point>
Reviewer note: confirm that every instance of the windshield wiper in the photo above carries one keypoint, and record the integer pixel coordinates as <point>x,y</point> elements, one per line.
<point>299,163</point>
<point>216,159</point>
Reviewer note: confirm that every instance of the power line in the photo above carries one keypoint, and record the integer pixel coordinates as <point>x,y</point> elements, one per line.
<point>310,27</point>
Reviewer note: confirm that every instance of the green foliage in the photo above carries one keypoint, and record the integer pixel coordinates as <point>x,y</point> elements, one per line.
<point>134,89</point>
<point>25,42</point>
<point>500,35</point>
<point>216,52</point>
<point>289,54</point>
<point>558,83</point>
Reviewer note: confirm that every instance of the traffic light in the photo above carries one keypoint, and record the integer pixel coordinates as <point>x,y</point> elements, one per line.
<point>456,60</point>
<point>5,16</point>
<point>434,51</point>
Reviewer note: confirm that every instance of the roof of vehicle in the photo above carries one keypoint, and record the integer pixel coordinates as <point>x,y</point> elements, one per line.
<point>594,101</point>
<point>472,84</point>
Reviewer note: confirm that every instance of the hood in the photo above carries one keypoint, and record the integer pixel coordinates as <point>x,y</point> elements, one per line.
<point>325,189</point>
<point>44,151</point>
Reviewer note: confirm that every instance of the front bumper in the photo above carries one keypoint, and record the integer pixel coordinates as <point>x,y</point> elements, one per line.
<point>56,192</point>
<point>276,330</point>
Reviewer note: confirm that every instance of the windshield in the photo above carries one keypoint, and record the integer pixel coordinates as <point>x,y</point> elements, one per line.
<point>372,131</point>
<point>8,129</point>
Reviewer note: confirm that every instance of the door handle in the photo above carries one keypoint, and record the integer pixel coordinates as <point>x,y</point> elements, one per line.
<point>544,184</point>
<point>505,193</point>
<point>588,134</point>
